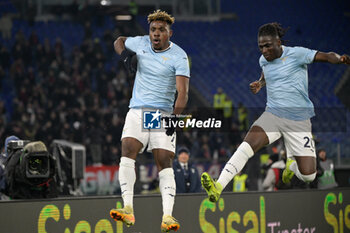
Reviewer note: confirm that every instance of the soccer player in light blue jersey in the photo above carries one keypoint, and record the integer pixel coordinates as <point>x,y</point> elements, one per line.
<point>288,110</point>
<point>162,69</point>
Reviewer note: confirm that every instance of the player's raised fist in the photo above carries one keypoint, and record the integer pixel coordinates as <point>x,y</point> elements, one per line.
<point>255,87</point>
<point>345,59</point>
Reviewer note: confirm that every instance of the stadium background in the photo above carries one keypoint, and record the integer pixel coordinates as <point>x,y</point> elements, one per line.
<point>61,79</point>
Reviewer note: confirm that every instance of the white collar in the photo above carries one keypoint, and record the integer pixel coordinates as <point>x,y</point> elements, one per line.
<point>160,51</point>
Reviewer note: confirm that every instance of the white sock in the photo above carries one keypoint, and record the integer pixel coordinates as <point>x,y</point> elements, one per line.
<point>306,178</point>
<point>236,163</point>
<point>127,178</point>
<point>167,188</point>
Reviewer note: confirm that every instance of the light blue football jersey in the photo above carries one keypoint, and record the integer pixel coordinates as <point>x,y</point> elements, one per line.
<point>155,81</point>
<point>287,83</point>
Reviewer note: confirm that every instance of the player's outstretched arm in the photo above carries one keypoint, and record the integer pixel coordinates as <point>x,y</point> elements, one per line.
<point>257,85</point>
<point>332,57</point>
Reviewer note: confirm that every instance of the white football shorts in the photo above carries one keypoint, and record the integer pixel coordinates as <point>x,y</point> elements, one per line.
<point>153,138</point>
<point>296,134</point>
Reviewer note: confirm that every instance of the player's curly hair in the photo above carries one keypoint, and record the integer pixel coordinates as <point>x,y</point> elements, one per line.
<point>161,16</point>
<point>272,29</point>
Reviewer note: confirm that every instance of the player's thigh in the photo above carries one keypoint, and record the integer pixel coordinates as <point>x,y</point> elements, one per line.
<point>159,140</point>
<point>300,146</point>
<point>269,124</point>
<point>306,164</point>
<point>133,129</point>
<point>163,158</point>
<point>298,138</point>
<point>256,138</point>
<point>163,149</point>
<point>131,147</point>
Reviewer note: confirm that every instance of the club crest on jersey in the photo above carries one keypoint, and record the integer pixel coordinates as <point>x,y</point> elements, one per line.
<point>165,58</point>
<point>283,59</point>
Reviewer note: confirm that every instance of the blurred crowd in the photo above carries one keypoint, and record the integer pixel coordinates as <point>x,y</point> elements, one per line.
<point>58,94</point>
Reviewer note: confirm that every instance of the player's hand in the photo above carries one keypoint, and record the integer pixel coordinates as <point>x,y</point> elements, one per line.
<point>130,61</point>
<point>345,59</point>
<point>255,87</point>
<point>170,122</point>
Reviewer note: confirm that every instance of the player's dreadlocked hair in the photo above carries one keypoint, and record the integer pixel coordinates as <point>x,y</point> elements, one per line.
<point>273,29</point>
<point>161,16</point>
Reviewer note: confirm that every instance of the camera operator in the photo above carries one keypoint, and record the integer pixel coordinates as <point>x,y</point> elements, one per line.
<point>2,178</point>
<point>28,170</point>
<point>3,158</point>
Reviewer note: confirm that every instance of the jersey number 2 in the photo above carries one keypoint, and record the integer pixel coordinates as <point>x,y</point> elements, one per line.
<point>308,143</point>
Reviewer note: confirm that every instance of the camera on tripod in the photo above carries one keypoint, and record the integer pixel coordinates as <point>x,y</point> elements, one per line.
<point>35,164</point>
<point>29,170</point>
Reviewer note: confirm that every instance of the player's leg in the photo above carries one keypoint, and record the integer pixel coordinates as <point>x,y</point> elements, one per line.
<point>127,175</point>
<point>293,168</point>
<point>306,164</point>
<point>300,146</point>
<point>304,167</point>
<point>263,132</point>
<point>255,139</point>
<point>127,178</point>
<point>167,186</point>
<point>134,140</point>
<point>163,149</point>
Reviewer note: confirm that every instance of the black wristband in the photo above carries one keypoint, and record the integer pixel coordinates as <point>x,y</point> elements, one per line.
<point>126,53</point>
<point>171,122</point>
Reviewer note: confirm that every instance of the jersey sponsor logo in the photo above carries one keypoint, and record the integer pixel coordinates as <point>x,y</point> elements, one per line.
<point>151,119</point>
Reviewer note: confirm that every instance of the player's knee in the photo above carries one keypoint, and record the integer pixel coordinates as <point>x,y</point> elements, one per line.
<point>130,147</point>
<point>246,149</point>
<point>256,138</point>
<point>127,162</point>
<point>308,178</point>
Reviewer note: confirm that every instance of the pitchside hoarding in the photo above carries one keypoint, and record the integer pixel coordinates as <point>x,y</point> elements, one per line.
<point>276,212</point>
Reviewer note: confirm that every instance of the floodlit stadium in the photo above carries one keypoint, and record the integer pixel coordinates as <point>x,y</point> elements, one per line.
<point>77,76</point>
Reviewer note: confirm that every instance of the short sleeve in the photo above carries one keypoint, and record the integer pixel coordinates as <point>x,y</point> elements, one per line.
<point>262,61</point>
<point>182,66</point>
<point>305,55</point>
<point>132,43</point>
